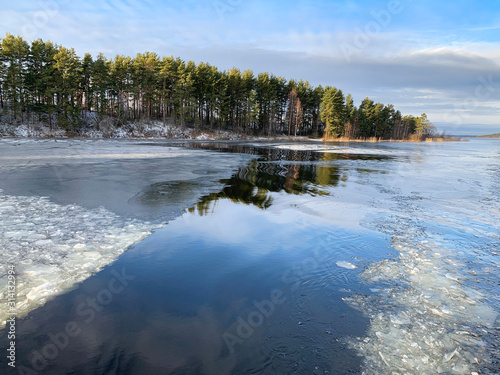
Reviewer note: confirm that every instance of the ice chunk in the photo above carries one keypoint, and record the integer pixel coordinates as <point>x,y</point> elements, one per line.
<point>41,291</point>
<point>347,265</point>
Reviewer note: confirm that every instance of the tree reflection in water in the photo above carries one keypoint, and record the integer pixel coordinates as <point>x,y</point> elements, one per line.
<point>253,183</point>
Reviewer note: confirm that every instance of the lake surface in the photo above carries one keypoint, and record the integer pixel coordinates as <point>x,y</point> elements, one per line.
<point>252,257</point>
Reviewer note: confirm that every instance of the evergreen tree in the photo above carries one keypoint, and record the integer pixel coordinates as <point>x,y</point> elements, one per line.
<point>249,114</point>
<point>366,115</point>
<point>119,84</point>
<point>67,65</point>
<point>423,127</point>
<point>333,112</point>
<point>101,68</point>
<point>15,52</point>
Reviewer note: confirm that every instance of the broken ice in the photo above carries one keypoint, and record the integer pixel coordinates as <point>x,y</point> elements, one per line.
<point>53,247</point>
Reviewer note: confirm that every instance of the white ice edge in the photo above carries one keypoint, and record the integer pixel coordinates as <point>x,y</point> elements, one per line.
<point>53,247</point>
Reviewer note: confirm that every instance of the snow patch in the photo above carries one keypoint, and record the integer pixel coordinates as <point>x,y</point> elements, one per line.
<point>107,129</point>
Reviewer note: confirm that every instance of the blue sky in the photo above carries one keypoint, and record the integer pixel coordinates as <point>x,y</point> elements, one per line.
<point>438,57</point>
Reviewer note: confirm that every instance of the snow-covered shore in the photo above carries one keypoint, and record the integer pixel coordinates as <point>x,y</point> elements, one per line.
<point>155,129</point>
<point>151,130</point>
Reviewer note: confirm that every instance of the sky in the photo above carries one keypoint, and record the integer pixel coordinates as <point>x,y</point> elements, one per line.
<point>437,57</point>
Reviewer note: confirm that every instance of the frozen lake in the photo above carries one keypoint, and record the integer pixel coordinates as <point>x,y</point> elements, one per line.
<point>278,258</point>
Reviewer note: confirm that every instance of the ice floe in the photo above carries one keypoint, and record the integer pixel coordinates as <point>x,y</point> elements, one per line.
<point>346,265</point>
<point>424,319</point>
<point>53,247</point>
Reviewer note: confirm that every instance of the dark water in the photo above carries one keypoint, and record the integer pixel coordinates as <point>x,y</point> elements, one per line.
<point>255,278</point>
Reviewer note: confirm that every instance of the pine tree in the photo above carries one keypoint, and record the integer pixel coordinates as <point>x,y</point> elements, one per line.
<point>15,52</point>
<point>423,127</point>
<point>264,98</point>
<point>101,68</point>
<point>333,112</point>
<point>67,65</point>
<point>350,119</point>
<point>85,82</point>
<point>366,117</point>
<point>119,86</point>
<point>249,115</point>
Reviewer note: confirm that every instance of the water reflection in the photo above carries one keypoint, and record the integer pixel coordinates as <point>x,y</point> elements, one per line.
<point>273,170</point>
<point>276,152</point>
<point>294,172</point>
<point>253,183</point>
<point>189,285</point>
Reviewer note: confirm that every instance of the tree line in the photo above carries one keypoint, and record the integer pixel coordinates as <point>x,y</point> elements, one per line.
<point>53,84</point>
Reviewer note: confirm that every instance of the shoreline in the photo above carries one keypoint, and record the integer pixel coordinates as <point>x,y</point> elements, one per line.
<point>158,131</point>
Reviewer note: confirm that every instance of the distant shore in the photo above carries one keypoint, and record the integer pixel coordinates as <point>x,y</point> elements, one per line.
<point>490,136</point>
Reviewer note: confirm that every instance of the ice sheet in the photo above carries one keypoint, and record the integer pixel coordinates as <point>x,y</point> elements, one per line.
<point>353,148</point>
<point>36,152</point>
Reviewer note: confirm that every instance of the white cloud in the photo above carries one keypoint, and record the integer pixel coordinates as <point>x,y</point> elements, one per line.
<point>438,69</point>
